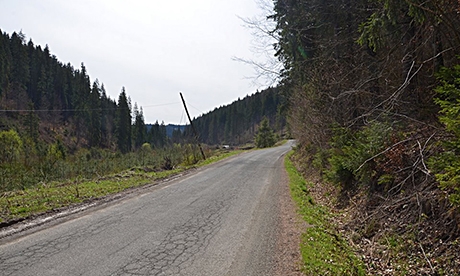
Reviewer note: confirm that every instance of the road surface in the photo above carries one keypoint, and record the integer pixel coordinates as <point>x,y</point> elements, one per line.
<point>220,220</point>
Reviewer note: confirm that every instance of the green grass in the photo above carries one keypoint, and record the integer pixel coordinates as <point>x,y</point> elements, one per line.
<point>217,157</point>
<point>51,196</point>
<point>324,251</point>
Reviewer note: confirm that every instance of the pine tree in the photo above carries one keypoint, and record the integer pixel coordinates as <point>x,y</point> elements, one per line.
<point>123,126</point>
<point>20,66</point>
<point>5,61</point>
<point>265,137</point>
<point>107,118</point>
<point>94,127</point>
<point>139,129</point>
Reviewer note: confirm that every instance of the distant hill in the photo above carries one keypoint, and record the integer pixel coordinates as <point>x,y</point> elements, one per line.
<point>170,128</point>
<point>237,122</point>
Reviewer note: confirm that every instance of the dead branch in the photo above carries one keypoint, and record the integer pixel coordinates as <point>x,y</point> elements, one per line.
<point>426,258</point>
<point>392,98</point>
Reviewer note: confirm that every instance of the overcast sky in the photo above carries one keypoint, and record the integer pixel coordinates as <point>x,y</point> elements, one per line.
<point>155,49</point>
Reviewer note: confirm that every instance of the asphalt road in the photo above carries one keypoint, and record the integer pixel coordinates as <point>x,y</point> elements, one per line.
<point>220,220</point>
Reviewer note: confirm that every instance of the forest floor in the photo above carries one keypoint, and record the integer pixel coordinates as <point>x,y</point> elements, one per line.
<point>413,232</point>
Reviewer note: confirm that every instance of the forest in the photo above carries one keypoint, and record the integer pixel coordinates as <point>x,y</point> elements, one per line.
<point>45,100</point>
<point>238,122</point>
<point>56,124</point>
<point>373,90</point>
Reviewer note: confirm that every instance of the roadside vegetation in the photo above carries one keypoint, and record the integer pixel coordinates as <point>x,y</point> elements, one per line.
<point>324,250</point>
<point>134,170</point>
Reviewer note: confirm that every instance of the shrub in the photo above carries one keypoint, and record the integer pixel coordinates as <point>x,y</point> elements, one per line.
<point>10,146</point>
<point>11,150</point>
<point>351,154</point>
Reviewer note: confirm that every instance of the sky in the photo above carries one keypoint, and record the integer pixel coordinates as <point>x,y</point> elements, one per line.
<point>155,49</point>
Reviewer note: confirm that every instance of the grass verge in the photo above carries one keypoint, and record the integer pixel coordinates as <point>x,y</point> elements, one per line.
<point>324,251</point>
<point>47,197</point>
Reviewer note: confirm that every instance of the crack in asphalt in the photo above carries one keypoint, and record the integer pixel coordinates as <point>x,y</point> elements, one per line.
<point>10,264</point>
<point>176,251</point>
<point>180,247</point>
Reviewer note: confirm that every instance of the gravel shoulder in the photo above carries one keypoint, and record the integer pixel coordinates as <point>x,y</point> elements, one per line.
<point>289,260</point>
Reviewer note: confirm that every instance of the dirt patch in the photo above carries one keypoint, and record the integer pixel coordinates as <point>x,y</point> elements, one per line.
<point>288,258</point>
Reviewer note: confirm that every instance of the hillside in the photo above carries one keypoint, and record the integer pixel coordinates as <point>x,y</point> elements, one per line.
<point>237,122</point>
<point>56,125</point>
<point>48,101</point>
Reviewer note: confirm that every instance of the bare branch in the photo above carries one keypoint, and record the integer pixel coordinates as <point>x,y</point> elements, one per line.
<point>426,258</point>
<point>266,66</point>
<point>390,101</point>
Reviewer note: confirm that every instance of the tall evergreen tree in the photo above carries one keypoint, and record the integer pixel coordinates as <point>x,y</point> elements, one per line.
<point>265,137</point>
<point>139,129</point>
<point>107,118</point>
<point>157,136</point>
<point>5,61</point>
<point>20,66</point>
<point>123,126</point>
<point>95,115</point>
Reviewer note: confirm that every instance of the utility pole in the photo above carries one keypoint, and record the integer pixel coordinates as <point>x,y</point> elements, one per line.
<point>193,128</point>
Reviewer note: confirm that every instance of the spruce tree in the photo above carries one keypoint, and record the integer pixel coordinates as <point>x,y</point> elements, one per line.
<point>265,137</point>
<point>123,127</point>
<point>94,127</point>
<point>139,129</point>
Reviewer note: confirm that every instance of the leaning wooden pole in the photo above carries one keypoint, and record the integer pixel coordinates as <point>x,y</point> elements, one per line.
<point>191,124</point>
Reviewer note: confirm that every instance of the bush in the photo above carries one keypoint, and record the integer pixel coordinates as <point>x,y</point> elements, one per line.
<point>351,153</point>
<point>10,146</point>
<point>11,150</point>
<point>45,163</point>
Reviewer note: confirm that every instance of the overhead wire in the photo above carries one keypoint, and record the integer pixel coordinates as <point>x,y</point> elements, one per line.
<point>76,110</point>
<point>196,108</point>
<point>181,118</point>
